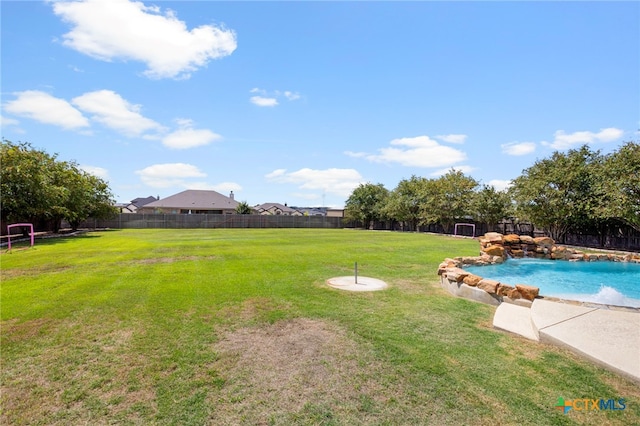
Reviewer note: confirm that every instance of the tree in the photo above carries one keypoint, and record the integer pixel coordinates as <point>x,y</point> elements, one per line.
<point>365,204</point>
<point>448,199</point>
<point>491,206</point>
<point>87,196</point>
<point>38,188</point>
<point>243,208</point>
<point>561,193</point>
<point>27,183</point>
<point>621,185</point>
<point>405,202</point>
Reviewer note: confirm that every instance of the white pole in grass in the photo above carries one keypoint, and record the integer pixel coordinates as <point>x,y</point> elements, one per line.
<point>356,272</point>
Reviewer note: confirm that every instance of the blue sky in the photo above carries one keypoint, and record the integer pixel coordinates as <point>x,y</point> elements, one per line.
<point>299,102</point>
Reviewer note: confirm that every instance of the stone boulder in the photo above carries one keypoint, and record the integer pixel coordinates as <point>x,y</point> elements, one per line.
<point>447,263</point>
<point>493,237</point>
<point>490,286</point>
<point>471,280</point>
<point>504,289</point>
<point>511,239</point>
<point>455,274</point>
<point>526,239</point>
<point>527,292</point>
<point>517,253</point>
<point>544,241</point>
<point>514,294</point>
<point>494,250</point>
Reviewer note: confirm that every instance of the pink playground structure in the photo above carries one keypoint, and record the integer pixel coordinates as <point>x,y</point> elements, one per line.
<point>20,225</point>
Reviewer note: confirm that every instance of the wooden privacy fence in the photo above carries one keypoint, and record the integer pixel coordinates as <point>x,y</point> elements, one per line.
<point>629,240</point>
<point>177,221</point>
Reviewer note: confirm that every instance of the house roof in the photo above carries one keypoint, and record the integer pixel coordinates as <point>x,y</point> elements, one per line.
<point>196,199</point>
<point>269,206</point>
<point>312,211</point>
<point>139,202</point>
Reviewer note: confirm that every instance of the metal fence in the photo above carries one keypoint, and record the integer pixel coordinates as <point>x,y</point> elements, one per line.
<point>183,221</point>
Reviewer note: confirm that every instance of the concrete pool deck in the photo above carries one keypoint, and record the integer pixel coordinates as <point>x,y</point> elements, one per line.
<point>608,337</point>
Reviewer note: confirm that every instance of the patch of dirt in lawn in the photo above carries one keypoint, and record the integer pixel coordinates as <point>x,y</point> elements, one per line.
<point>14,330</point>
<point>60,379</point>
<point>32,271</point>
<point>251,310</point>
<point>293,366</point>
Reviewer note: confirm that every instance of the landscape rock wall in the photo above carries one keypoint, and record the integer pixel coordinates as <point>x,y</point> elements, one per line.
<point>496,248</point>
<point>518,246</point>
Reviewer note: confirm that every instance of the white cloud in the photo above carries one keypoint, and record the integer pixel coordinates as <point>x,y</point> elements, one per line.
<point>189,138</point>
<point>518,148</point>
<point>464,169</point>
<point>129,30</point>
<point>6,121</point>
<point>276,173</point>
<point>306,196</point>
<point>224,187</point>
<point>563,140</point>
<point>291,95</point>
<point>96,171</point>
<point>335,181</point>
<point>420,151</point>
<point>263,102</point>
<point>169,174</point>
<point>43,107</point>
<point>355,154</point>
<point>270,99</point>
<point>184,123</point>
<point>459,139</point>
<point>500,185</point>
<point>111,110</point>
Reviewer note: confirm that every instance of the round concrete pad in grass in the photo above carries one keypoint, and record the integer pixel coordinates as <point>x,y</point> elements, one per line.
<point>363,284</point>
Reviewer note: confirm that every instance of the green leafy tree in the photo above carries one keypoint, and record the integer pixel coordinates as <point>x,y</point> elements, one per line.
<point>491,206</point>
<point>405,202</point>
<point>561,193</point>
<point>448,199</point>
<point>87,196</point>
<point>621,185</point>
<point>27,183</point>
<point>243,208</point>
<point>36,187</point>
<point>366,204</point>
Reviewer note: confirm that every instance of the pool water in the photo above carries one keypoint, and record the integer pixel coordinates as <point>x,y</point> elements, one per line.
<point>611,283</point>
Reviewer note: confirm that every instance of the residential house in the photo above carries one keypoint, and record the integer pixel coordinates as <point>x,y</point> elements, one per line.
<point>312,211</point>
<point>335,212</point>
<point>276,209</point>
<point>193,201</point>
<point>135,205</point>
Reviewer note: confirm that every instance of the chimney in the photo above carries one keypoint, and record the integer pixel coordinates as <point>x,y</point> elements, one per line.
<point>231,195</point>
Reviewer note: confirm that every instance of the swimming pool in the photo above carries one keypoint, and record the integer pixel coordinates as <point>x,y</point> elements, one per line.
<point>611,283</point>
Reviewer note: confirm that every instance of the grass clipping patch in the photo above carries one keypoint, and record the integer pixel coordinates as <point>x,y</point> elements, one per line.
<point>294,370</point>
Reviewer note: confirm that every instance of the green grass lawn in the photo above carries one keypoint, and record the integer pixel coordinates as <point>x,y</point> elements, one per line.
<point>191,327</point>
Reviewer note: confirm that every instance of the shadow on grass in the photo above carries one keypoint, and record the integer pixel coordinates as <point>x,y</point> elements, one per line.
<point>23,243</point>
